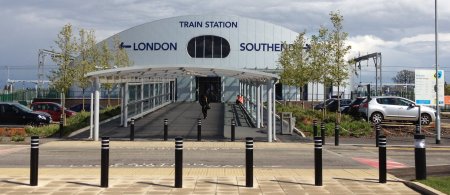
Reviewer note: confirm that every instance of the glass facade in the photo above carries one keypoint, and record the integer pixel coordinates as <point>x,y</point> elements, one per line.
<point>208,46</point>
<point>153,95</point>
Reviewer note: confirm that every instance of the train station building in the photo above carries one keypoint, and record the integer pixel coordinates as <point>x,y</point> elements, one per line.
<point>181,58</point>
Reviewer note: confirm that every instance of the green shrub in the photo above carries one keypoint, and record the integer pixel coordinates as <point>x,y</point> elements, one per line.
<point>73,123</point>
<point>305,117</point>
<point>17,138</point>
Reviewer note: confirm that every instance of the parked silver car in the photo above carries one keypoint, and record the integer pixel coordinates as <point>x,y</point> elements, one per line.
<point>396,109</point>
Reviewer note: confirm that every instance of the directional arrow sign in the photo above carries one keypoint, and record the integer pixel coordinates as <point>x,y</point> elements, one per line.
<point>122,45</point>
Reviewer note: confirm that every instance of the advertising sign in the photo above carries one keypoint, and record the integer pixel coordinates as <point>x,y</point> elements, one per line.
<point>425,81</point>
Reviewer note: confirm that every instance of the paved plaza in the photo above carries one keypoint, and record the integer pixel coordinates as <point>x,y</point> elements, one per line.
<point>65,181</point>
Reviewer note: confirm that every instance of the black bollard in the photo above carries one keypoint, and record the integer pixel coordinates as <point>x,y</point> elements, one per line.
<point>314,128</point>
<point>382,158</point>
<point>318,160</point>
<point>377,134</point>
<point>233,130</point>
<point>166,129</point>
<point>248,162</point>
<point>132,129</point>
<point>61,127</point>
<point>34,160</point>
<point>417,128</point>
<point>336,134</point>
<point>104,171</point>
<point>178,162</point>
<point>322,132</point>
<point>199,130</point>
<point>420,157</point>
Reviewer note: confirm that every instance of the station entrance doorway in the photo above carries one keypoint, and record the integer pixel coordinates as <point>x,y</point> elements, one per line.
<point>211,87</point>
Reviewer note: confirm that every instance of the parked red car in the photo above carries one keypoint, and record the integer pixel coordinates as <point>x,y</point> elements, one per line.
<point>54,109</point>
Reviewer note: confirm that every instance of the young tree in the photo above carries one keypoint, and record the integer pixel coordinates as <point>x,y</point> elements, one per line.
<point>121,58</point>
<point>63,77</point>
<point>338,66</point>
<point>319,57</point>
<point>87,59</point>
<point>105,58</point>
<point>293,60</point>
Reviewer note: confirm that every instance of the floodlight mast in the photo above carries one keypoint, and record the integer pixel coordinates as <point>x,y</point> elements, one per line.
<point>41,62</point>
<point>377,60</point>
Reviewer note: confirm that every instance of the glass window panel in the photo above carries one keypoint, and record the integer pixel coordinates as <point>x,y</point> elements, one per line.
<point>208,46</point>
<point>217,47</point>
<point>199,45</point>
<point>191,48</point>
<point>225,48</point>
<point>146,90</point>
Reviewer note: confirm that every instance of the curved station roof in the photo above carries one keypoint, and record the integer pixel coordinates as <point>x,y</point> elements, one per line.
<point>151,73</point>
<point>199,45</point>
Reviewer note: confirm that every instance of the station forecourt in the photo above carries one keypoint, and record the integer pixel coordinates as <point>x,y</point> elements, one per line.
<point>181,58</point>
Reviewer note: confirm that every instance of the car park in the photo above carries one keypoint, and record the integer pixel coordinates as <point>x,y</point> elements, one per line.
<point>395,108</point>
<point>79,107</point>
<point>321,105</point>
<point>353,108</point>
<point>52,108</point>
<point>333,105</point>
<point>18,114</point>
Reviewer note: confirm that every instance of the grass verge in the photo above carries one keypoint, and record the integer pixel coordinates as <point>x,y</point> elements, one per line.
<point>439,183</point>
<point>74,123</point>
<point>304,120</point>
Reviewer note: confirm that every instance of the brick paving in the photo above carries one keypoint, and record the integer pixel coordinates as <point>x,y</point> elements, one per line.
<point>65,181</point>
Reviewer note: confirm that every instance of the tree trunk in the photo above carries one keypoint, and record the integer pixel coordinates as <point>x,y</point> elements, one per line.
<point>82,104</point>
<point>109,98</point>
<point>63,105</point>
<point>301,98</point>
<point>339,105</point>
<point>312,95</point>
<point>324,113</point>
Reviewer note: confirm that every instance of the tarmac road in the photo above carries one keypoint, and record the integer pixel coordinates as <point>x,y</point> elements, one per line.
<point>212,154</point>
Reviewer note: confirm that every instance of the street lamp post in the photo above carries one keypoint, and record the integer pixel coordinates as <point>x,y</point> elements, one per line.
<point>438,115</point>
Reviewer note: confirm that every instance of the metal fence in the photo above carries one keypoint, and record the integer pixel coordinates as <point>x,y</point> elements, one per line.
<point>27,95</point>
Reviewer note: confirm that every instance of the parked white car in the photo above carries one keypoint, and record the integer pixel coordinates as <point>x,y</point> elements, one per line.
<point>396,109</point>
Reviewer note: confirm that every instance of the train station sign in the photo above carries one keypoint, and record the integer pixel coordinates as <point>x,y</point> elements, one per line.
<point>425,86</point>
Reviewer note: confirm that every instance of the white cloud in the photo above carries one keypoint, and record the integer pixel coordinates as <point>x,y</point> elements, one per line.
<point>425,38</point>
<point>402,29</point>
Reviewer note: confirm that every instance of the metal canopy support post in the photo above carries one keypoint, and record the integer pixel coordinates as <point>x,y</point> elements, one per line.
<point>142,96</point>
<point>252,96</point>
<point>247,102</point>
<point>91,129</point>
<point>269,110</point>
<point>244,95</point>
<point>249,92</point>
<point>121,103</point>
<point>96,108</point>
<point>125,104</point>
<point>261,108</point>
<point>190,89</point>
<point>274,112</point>
<point>253,109</point>
<point>258,106</point>
<point>240,87</point>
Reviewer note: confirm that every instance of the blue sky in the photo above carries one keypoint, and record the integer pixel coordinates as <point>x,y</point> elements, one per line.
<point>402,30</point>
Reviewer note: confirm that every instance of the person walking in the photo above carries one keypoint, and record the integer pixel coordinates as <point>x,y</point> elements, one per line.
<point>205,105</point>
